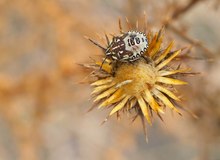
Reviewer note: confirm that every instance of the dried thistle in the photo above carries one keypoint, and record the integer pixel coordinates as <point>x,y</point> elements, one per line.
<point>145,86</point>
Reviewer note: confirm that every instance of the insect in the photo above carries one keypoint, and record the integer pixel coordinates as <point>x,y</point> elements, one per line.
<point>127,47</point>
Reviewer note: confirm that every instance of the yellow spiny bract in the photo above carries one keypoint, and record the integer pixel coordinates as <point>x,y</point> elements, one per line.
<point>145,86</point>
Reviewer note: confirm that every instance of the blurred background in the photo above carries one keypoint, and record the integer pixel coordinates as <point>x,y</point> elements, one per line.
<point>43,108</point>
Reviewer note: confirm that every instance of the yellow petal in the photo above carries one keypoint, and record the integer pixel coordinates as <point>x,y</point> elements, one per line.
<point>119,85</point>
<point>117,96</point>
<point>167,73</point>
<point>132,103</point>
<point>170,81</point>
<point>164,54</point>
<point>155,47</point>
<point>165,62</point>
<point>150,36</point>
<point>105,94</point>
<point>102,88</point>
<point>101,82</point>
<point>120,105</point>
<point>165,100</point>
<point>152,43</point>
<point>167,92</point>
<point>151,101</point>
<point>144,109</point>
<point>156,43</point>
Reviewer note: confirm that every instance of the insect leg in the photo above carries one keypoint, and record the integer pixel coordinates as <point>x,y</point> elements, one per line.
<point>103,63</point>
<point>147,59</point>
<point>115,65</point>
<point>106,37</point>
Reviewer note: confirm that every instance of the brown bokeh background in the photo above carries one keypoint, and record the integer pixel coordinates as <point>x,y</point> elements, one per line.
<point>43,107</point>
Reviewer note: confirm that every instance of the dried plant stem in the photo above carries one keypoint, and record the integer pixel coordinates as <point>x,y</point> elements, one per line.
<point>187,38</point>
<point>204,151</point>
<point>181,10</point>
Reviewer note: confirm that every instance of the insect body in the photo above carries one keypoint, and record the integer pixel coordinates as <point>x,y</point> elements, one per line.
<point>128,47</point>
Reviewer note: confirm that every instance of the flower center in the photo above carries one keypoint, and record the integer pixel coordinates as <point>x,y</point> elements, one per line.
<point>140,76</point>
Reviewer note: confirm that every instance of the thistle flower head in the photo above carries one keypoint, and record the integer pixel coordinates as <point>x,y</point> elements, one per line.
<point>145,86</point>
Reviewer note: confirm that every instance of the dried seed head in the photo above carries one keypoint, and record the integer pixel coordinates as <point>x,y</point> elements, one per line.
<point>145,86</point>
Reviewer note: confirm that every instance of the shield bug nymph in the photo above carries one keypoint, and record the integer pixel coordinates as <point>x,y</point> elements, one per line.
<point>128,47</point>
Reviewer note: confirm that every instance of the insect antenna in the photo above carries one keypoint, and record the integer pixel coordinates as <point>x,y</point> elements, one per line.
<point>95,43</point>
